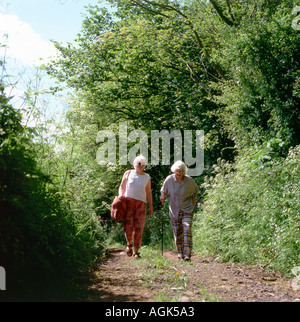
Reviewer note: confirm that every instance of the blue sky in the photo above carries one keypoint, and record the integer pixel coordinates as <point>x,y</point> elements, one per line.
<point>30,25</point>
<point>52,19</point>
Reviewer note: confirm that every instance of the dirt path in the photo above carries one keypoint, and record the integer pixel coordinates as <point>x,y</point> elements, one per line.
<point>119,278</point>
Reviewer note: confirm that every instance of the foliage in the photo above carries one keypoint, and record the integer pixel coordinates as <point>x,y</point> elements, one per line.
<point>251,210</point>
<point>149,70</point>
<point>40,237</point>
<point>260,97</point>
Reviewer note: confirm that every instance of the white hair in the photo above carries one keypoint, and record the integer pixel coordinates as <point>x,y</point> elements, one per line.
<point>179,165</point>
<point>140,158</point>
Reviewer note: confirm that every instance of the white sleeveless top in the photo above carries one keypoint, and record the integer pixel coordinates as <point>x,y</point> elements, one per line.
<point>136,184</point>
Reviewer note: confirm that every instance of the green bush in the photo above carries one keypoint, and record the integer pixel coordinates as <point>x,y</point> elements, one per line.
<point>251,210</point>
<point>42,240</point>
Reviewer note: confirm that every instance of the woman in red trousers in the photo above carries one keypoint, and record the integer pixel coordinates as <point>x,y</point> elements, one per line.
<point>136,187</point>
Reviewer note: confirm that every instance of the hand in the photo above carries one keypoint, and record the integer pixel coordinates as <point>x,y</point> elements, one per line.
<point>150,212</point>
<point>162,200</point>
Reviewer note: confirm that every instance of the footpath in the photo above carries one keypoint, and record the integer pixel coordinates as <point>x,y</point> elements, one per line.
<point>153,278</point>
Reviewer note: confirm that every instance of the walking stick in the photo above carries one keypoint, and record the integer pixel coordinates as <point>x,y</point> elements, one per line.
<point>162,230</point>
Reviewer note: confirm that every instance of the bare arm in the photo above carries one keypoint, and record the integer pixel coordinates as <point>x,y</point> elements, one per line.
<point>162,197</point>
<point>149,197</point>
<point>122,187</point>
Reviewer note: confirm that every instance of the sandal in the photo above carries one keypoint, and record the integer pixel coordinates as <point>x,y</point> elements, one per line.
<point>136,255</point>
<point>129,250</point>
<point>187,259</point>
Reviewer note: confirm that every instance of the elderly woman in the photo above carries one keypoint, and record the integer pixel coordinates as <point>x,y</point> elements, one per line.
<point>136,187</point>
<point>182,192</point>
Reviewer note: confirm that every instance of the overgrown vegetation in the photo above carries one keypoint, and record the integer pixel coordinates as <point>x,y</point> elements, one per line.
<point>230,68</point>
<point>251,210</point>
<point>43,238</point>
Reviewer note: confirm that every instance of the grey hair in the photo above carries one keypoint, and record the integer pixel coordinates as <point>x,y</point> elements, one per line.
<point>140,158</point>
<point>179,165</point>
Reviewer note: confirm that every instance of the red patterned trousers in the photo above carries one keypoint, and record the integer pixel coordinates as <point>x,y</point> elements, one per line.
<point>134,221</point>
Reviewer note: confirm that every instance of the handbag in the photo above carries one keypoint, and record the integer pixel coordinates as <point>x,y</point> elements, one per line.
<point>119,207</point>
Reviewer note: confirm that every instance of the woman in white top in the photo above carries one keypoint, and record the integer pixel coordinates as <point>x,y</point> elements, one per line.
<point>136,187</point>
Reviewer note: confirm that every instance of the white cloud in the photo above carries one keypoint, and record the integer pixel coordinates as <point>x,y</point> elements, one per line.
<point>24,44</point>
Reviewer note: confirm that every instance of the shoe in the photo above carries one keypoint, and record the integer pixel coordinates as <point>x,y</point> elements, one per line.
<point>136,255</point>
<point>187,259</point>
<point>180,257</point>
<point>129,250</point>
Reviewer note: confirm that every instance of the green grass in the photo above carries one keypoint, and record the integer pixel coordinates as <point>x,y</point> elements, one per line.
<point>174,281</point>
